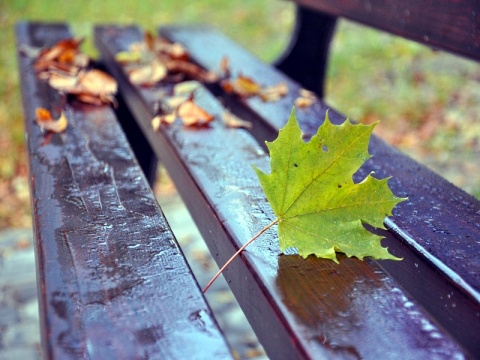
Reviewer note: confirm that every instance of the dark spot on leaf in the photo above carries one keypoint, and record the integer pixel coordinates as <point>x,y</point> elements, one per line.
<point>339,185</point>
<point>296,165</point>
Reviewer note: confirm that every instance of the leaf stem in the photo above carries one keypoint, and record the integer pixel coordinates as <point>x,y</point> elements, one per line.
<point>229,261</point>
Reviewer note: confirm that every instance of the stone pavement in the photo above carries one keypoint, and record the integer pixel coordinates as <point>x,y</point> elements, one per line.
<point>19,322</point>
<point>19,330</point>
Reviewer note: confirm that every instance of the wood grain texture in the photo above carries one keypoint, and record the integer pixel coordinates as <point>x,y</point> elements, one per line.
<point>113,283</point>
<point>450,25</point>
<point>438,227</point>
<point>298,308</point>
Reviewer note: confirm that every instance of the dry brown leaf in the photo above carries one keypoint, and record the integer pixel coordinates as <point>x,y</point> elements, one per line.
<point>44,119</point>
<point>63,82</point>
<point>173,50</point>
<point>175,101</point>
<point>193,115</point>
<point>158,120</point>
<point>64,67</point>
<point>63,52</point>
<point>190,70</point>
<point>243,86</point>
<point>306,99</point>
<point>274,93</point>
<point>234,121</point>
<point>148,74</point>
<point>97,82</point>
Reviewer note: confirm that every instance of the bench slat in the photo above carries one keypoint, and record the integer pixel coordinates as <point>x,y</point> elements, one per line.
<point>438,227</point>
<point>445,24</point>
<point>299,308</point>
<point>112,280</point>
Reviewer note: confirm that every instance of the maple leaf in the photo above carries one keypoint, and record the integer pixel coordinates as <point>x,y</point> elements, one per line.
<point>320,209</point>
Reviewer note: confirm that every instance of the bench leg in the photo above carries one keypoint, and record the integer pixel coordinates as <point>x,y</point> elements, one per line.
<point>305,59</point>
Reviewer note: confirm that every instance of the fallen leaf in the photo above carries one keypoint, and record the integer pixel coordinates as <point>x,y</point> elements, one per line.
<point>128,56</point>
<point>97,83</point>
<point>44,119</point>
<point>190,70</point>
<point>158,120</point>
<point>242,86</point>
<point>148,74</point>
<point>234,121</point>
<point>186,88</point>
<point>320,210</point>
<point>63,82</point>
<point>152,60</point>
<point>193,115</point>
<point>274,93</point>
<point>64,66</point>
<point>65,52</point>
<point>305,99</point>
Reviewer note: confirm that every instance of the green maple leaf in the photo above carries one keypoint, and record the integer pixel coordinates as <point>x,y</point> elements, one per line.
<point>320,209</point>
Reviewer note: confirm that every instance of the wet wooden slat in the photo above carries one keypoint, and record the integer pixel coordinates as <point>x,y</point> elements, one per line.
<point>438,227</point>
<point>113,283</point>
<point>298,308</point>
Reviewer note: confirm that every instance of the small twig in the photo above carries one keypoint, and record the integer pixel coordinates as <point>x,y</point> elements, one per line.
<point>237,253</point>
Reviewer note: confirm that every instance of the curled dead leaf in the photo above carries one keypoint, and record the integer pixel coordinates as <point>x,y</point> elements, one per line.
<point>190,70</point>
<point>64,53</point>
<point>62,82</point>
<point>97,83</point>
<point>45,120</point>
<point>242,86</point>
<point>158,120</point>
<point>305,99</point>
<point>148,74</point>
<point>274,93</point>
<point>193,115</point>
<point>64,66</point>
<point>234,121</point>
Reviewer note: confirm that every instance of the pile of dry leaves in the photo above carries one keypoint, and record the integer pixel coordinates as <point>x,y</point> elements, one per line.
<point>156,60</point>
<point>67,69</point>
<point>152,61</point>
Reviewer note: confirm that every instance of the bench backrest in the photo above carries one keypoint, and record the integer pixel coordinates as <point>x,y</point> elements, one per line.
<point>453,26</point>
<point>449,25</point>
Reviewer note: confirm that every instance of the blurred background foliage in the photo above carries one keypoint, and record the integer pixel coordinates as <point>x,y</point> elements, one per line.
<point>429,102</point>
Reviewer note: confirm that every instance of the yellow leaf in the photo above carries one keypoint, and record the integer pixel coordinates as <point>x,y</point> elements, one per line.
<point>193,115</point>
<point>148,74</point>
<point>234,121</point>
<point>45,120</point>
<point>242,86</point>
<point>275,92</point>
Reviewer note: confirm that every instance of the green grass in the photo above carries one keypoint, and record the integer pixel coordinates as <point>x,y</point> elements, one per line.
<point>371,76</point>
<point>428,101</point>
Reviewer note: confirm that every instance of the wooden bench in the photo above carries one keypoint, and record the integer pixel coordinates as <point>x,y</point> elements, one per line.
<point>427,305</point>
<point>112,280</point>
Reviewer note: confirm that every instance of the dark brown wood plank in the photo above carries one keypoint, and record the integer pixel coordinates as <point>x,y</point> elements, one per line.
<point>113,283</point>
<point>445,24</point>
<point>298,308</point>
<point>438,227</point>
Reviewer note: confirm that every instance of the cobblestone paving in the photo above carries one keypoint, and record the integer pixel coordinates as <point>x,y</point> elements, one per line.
<point>19,329</point>
<point>19,321</point>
